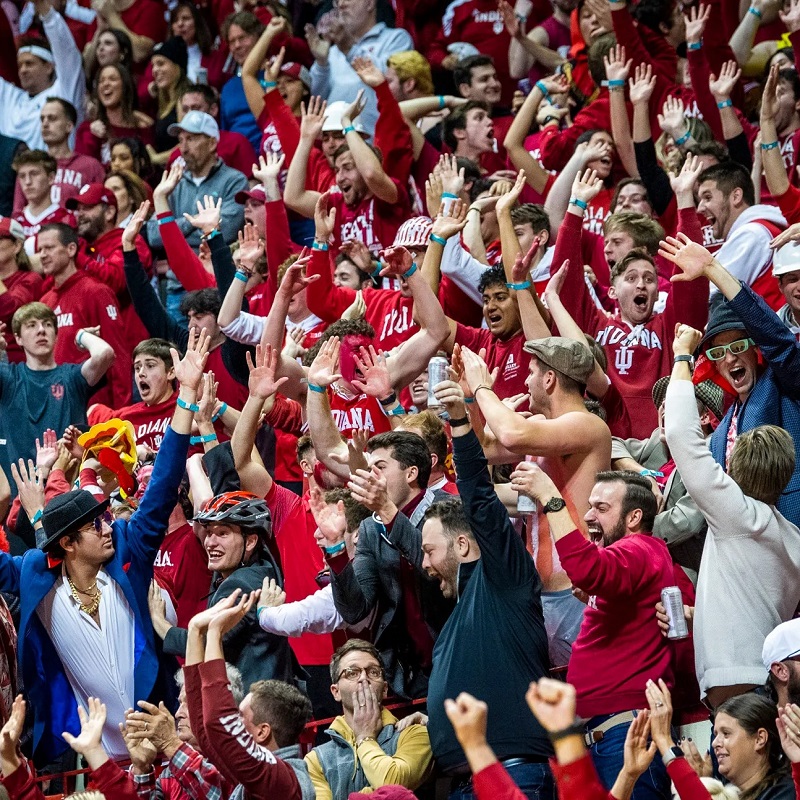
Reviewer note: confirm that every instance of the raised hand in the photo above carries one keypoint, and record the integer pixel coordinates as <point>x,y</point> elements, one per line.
<point>510,20</point>
<point>451,176</point>
<point>722,87</point>
<point>330,518</point>
<point>509,199</point>
<point>30,487</point>
<point>357,308</point>
<point>451,395</point>
<point>324,218</point>
<point>133,228</point>
<point>696,22</point>
<point>46,452</point>
<point>322,371</point>
<point>169,180</point>
<point>693,259</point>
<point>433,194</point>
<point>91,728</point>
<point>686,339</point>
<point>294,279</point>
<point>207,400</point>
<point>770,104</point>
<point>617,68</point>
<point>319,47</point>
<point>376,379</point>
<point>642,85</point>
<point>269,167</point>
<point>356,449</point>
<point>272,595</point>
<point>229,618</point>
<point>293,346</point>
<point>354,110</point>
<point>273,69</point>
<point>207,216</point>
<point>202,620</point>
<point>701,764</point>
<point>153,723</point>
<point>556,282</point>
<point>141,750</point>
<point>359,254</point>
<point>368,487</point>
<point>189,369</point>
<point>552,703</point>
<point>789,731</point>
<point>468,717</point>
<point>586,186</point>
<point>521,271</point>
<point>790,17</point>
<point>532,481</point>
<point>447,225</point>
<point>397,261</point>
<point>684,182</point>
<point>312,118</point>
<point>671,120</point>
<point>10,736</point>
<point>660,701</point>
<point>251,248</point>
<point>368,72</point>
<point>638,755</point>
<point>476,372</point>
<point>262,382</point>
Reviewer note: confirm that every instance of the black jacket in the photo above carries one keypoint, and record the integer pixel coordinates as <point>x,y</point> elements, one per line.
<point>494,643</point>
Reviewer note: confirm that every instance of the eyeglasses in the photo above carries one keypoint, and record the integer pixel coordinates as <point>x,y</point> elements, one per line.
<point>97,522</point>
<point>736,348</point>
<point>354,673</point>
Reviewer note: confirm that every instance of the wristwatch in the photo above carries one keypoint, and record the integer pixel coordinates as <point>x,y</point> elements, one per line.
<point>671,754</point>
<point>554,504</point>
<point>687,358</point>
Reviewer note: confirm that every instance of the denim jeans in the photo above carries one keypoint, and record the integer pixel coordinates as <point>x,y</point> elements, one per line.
<point>534,780</point>
<point>608,756</point>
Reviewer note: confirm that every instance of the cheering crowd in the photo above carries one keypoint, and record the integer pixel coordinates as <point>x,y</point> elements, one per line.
<point>431,369</point>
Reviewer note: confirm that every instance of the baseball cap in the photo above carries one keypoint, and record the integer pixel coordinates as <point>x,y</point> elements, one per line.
<point>781,643</point>
<point>787,259</point>
<point>11,229</point>
<point>333,118</point>
<point>707,392</point>
<point>253,193</point>
<point>90,195</point>
<point>298,72</point>
<point>566,356</point>
<point>196,122</point>
<point>414,232</point>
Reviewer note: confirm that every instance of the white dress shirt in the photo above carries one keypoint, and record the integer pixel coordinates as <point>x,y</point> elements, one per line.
<point>98,660</point>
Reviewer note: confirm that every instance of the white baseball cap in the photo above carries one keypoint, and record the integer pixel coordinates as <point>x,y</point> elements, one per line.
<point>196,122</point>
<point>782,643</point>
<point>787,259</point>
<point>333,118</point>
<point>414,232</point>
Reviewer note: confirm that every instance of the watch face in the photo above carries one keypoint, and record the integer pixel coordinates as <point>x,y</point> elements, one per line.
<point>554,504</point>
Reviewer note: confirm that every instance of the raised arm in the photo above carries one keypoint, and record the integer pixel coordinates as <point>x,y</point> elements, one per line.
<point>253,92</point>
<point>771,158</point>
<point>721,88</point>
<point>101,354</point>
<point>617,70</point>
<point>295,195</point>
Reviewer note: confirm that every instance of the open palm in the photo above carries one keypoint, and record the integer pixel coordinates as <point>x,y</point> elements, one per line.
<point>691,258</point>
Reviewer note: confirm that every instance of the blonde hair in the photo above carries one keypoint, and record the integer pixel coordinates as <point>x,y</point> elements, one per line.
<point>720,791</point>
<point>762,462</point>
<point>411,64</point>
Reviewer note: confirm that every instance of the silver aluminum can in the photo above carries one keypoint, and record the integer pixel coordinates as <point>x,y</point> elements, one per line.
<point>673,604</point>
<point>437,372</point>
<point>525,505</point>
<point>202,76</point>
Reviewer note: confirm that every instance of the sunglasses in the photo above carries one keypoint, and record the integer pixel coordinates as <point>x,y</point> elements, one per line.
<point>97,522</point>
<point>736,348</point>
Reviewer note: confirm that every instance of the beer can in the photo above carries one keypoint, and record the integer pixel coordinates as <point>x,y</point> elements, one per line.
<point>525,505</point>
<point>673,603</point>
<point>202,76</point>
<point>437,372</point>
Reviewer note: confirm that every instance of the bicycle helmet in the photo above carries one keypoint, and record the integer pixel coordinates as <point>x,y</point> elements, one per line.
<point>239,508</point>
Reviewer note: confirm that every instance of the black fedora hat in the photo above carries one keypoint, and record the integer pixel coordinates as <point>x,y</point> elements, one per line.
<point>68,512</point>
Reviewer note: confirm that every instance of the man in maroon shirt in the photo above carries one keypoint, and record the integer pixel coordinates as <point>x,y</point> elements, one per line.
<point>623,568</point>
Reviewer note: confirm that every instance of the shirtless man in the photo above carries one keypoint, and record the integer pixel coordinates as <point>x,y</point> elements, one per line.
<point>570,444</point>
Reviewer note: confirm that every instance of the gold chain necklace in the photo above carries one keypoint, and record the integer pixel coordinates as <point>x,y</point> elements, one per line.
<point>91,609</point>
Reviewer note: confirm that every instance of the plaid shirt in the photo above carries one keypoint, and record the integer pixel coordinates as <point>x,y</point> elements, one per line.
<point>188,775</point>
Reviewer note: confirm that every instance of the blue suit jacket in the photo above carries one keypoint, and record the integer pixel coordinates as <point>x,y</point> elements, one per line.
<point>775,398</point>
<point>30,576</point>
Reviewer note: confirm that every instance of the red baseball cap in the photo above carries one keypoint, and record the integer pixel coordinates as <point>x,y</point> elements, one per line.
<point>255,193</point>
<point>90,195</point>
<point>11,229</point>
<point>298,72</point>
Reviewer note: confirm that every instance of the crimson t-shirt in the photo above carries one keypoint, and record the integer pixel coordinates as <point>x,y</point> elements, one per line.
<point>508,355</point>
<point>361,412</point>
<point>149,422</point>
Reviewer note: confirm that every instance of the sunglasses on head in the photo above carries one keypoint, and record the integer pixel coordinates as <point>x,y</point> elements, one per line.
<point>736,348</point>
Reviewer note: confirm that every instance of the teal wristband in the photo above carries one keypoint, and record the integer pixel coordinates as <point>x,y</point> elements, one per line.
<point>725,104</point>
<point>349,129</point>
<point>222,409</point>
<point>755,12</point>
<point>37,516</point>
<point>209,437</point>
<point>683,139</point>
<point>165,220</point>
<point>580,203</point>
<point>376,273</point>
<point>614,84</point>
<point>211,235</point>
<point>193,407</point>
<point>449,196</point>
<point>318,389</point>
<point>542,88</point>
<point>442,102</point>
<point>241,276</point>
<point>410,271</point>
<point>695,45</point>
<point>398,411</point>
<point>79,338</point>
<point>322,246</point>
<point>335,550</point>
<point>518,287</point>
<point>651,473</point>
<point>438,239</point>
<point>769,146</point>
<point>469,400</point>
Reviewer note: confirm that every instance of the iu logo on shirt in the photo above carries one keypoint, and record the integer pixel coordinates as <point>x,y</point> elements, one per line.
<point>57,390</point>
<point>623,359</point>
<point>111,311</point>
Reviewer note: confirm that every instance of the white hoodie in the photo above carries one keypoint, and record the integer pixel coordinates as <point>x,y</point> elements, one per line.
<point>745,253</point>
